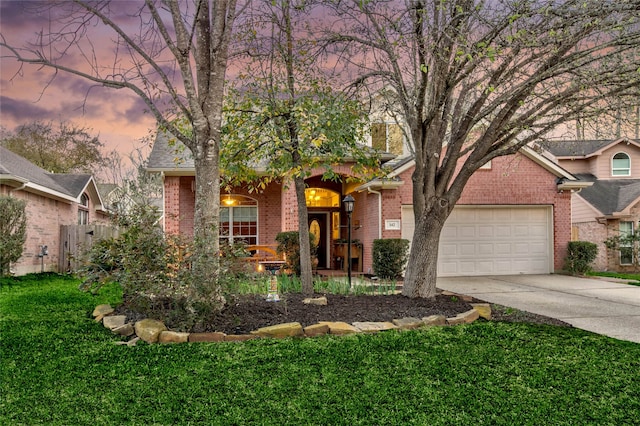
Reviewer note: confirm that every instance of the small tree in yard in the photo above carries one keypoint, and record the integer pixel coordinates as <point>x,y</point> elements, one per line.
<point>13,231</point>
<point>628,246</point>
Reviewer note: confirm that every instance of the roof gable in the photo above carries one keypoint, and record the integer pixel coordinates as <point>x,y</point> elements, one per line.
<point>27,175</point>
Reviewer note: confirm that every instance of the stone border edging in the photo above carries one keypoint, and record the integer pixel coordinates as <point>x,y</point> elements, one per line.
<point>154,331</point>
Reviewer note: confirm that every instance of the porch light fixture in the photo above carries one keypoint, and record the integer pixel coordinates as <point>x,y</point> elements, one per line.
<point>349,203</point>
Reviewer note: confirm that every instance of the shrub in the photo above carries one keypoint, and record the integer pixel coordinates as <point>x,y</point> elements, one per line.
<point>153,271</point>
<point>580,256</point>
<point>289,245</point>
<point>13,231</point>
<point>390,257</point>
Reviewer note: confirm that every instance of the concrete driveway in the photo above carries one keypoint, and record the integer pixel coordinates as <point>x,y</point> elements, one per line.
<point>592,304</point>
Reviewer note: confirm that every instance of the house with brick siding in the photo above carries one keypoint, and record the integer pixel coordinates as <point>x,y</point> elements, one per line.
<point>52,200</point>
<point>611,205</point>
<point>514,216</point>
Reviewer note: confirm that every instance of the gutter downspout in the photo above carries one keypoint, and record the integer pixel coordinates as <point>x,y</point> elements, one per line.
<point>371,191</point>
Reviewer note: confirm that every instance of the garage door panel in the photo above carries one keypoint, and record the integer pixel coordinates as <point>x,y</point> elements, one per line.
<point>493,240</point>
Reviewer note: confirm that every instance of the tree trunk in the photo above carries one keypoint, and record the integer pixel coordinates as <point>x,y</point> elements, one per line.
<point>422,267</point>
<point>306,273</point>
<point>205,264</point>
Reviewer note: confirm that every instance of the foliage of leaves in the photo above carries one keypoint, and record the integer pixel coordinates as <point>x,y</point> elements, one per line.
<point>153,270</point>
<point>390,257</point>
<point>13,231</point>
<point>580,256</point>
<point>57,148</point>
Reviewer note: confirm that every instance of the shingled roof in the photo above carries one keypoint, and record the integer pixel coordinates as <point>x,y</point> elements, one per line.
<point>581,148</point>
<point>20,171</point>
<point>610,196</point>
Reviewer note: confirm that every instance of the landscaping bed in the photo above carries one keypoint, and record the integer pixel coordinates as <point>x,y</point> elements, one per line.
<point>245,313</point>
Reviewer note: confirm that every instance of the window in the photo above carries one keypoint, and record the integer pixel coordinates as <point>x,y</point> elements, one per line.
<point>626,247</point>
<point>621,165</point>
<point>387,137</point>
<point>83,210</point>
<point>238,220</point>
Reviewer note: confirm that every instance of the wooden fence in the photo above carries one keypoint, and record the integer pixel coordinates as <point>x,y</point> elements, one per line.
<point>76,240</point>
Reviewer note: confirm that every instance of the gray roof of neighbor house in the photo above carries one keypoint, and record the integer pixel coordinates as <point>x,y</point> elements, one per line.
<point>580,148</point>
<point>610,195</point>
<point>174,157</point>
<point>18,169</point>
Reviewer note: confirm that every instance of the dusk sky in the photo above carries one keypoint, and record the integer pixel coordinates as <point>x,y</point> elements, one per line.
<point>118,116</point>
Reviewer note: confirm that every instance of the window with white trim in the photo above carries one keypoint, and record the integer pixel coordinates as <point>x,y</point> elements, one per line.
<point>621,165</point>
<point>626,248</point>
<point>238,220</point>
<point>83,210</point>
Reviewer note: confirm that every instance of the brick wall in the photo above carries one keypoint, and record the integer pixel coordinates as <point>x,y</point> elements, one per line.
<point>44,218</point>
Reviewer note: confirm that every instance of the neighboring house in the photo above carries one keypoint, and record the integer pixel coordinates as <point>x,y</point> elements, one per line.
<point>611,206</point>
<point>513,217</point>
<point>53,200</point>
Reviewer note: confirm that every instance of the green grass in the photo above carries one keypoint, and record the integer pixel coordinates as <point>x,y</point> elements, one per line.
<point>633,279</point>
<point>59,367</point>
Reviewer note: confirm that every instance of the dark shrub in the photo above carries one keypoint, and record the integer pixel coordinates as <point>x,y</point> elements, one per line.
<point>390,257</point>
<point>289,245</point>
<point>580,256</point>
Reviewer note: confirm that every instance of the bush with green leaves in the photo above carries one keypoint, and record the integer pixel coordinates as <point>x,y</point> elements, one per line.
<point>153,271</point>
<point>390,257</point>
<point>580,256</point>
<point>13,231</point>
<point>289,245</point>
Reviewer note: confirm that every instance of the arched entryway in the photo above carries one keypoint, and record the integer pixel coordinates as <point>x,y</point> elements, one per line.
<point>323,206</point>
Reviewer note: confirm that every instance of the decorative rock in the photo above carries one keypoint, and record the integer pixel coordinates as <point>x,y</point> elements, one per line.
<point>484,309</point>
<point>464,318</point>
<point>340,328</point>
<point>133,341</point>
<point>149,329</point>
<point>239,337</point>
<point>173,337</point>
<point>114,321</point>
<point>207,337</point>
<point>280,331</point>
<point>320,301</point>
<point>316,330</point>
<point>124,330</point>
<point>372,327</point>
<point>408,323</point>
<point>432,320</point>
<point>102,310</point>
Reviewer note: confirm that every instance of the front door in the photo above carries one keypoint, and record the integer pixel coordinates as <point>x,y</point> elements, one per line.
<point>318,227</point>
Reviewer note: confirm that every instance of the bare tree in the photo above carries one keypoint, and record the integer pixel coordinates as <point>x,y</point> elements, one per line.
<point>173,55</point>
<point>479,79</point>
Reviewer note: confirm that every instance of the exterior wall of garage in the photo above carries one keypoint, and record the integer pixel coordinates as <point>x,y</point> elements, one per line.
<point>510,181</point>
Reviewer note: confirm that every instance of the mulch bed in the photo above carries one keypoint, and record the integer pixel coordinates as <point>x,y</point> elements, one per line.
<point>248,313</point>
<point>243,314</point>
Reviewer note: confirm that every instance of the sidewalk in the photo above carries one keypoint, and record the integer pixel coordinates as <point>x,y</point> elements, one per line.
<point>596,305</point>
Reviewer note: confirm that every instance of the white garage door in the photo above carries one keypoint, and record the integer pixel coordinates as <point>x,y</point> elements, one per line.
<point>492,240</point>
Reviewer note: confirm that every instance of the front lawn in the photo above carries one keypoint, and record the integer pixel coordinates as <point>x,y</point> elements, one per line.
<point>59,367</point>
